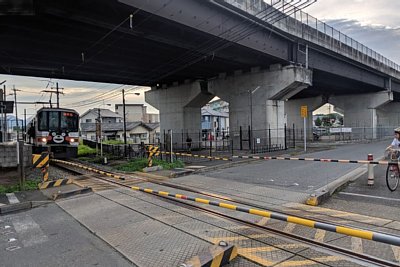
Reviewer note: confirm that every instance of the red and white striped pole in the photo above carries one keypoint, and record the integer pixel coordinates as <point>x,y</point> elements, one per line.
<point>370,171</point>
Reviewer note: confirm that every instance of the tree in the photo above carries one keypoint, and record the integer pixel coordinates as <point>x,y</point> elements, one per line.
<point>318,122</point>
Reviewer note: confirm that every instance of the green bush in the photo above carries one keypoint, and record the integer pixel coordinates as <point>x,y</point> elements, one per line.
<point>29,185</point>
<point>84,150</point>
<point>139,164</point>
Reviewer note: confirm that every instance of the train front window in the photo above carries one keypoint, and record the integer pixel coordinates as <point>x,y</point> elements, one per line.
<point>42,119</point>
<point>69,121</point>
<point>54,119</point>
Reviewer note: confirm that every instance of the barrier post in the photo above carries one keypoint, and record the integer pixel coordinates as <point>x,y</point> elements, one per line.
<point>370,171</point>
<point>150,159</point>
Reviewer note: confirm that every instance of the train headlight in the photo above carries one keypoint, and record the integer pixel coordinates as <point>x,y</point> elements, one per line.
<point>72,140</point>
<point>44,140</point>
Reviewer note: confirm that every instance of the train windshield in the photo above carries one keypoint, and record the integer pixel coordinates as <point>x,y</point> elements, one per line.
<point>69,121</point>
<point>58,120</point>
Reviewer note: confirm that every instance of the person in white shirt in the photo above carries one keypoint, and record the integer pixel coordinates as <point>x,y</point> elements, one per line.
<point>394,147</point>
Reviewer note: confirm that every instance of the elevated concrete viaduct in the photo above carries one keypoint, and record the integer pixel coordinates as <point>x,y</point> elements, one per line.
<point>189,51</point>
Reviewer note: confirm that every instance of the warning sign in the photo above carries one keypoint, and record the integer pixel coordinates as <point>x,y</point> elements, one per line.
<point>304,111</point>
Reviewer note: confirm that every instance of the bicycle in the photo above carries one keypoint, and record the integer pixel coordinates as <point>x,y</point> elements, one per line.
<point>393,171</point>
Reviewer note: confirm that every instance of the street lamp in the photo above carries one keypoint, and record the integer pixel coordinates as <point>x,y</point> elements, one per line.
<point>123,110</point>
<point>251,92</point>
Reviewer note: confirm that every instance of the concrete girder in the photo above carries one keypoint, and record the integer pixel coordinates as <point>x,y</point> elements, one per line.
<point>361,110</point>
<point>180,106</point>
<point>266,104</point>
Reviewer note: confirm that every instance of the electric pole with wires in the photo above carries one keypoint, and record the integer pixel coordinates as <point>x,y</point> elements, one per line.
<point>57,92</point>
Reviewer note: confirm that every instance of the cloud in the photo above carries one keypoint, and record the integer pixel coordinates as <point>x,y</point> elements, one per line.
<point>383,40</point>
<point>373,23</point>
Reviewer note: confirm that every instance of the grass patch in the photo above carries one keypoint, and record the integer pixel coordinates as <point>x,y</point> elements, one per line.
<point>139,164</point>
<point>29,185</point>
<point>84,150</point>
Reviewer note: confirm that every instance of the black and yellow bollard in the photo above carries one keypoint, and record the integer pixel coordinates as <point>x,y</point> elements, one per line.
<point>152,151</point>
<point>42,161</point>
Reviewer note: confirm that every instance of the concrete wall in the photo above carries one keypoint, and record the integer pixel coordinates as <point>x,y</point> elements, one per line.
<point>8,155</point>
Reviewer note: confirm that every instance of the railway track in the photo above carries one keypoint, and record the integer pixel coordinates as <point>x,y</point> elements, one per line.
<point>104,182</point>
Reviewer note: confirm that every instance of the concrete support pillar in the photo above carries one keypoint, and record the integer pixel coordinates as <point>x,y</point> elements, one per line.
<point>257,98</point>
<point>388,115</point>
<point>180,108</point>
<point>360,111</point>
<point>293,116</point>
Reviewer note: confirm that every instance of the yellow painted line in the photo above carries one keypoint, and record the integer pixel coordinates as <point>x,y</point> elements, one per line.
<point>305,222</point>
<point>263,221</point>
<point>257,249</point>
<point>204,201</point>
<point>353,232</point>
<point>320,235</point>
<point>58,182</point>
<point>148,190</point>
<point>356,245</point>
<point>257,259</point>
<point>178,195</point>
<point>260,213</point>
<point>289,227</point>
<point>396,252</point>
<point>227,206</point>
<point>135,187</point>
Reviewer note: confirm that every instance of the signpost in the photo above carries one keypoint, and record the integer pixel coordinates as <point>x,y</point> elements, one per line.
<point>304,113</point>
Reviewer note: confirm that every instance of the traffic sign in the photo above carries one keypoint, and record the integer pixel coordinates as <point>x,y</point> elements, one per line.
<point>304,111</point>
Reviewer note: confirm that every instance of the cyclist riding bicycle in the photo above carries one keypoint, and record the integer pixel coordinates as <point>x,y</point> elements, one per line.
<point>394,147</point>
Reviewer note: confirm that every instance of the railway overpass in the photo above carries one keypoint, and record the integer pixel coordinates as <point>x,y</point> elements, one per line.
<point>189,51</point>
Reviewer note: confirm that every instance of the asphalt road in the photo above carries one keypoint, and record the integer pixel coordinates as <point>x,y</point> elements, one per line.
<point>375,200</point>
<point>47,236</point>
<point>302,176</point>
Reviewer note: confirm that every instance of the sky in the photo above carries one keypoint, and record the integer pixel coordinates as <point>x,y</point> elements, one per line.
<point>375,23</point>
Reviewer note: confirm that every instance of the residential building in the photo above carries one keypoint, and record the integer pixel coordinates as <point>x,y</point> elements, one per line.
<point>106,115</point>
<point>136,132</point>
<point>136,112</point>
<point>214,121</point>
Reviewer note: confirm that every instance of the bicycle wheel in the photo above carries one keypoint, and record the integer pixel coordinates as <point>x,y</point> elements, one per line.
<point>392,177</point>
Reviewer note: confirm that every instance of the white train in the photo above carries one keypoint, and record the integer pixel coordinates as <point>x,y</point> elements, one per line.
<point>55,130</point>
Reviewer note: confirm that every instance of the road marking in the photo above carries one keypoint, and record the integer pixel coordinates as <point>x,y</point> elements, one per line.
<point>29,231</point>
<point>356,245</point>
<point>12,198</point>
<point>289,227</point>
<point>396,252</point>
<point>263,221</point>
<point>369,196</point>
<point>320,235</point>
<point>311,261</point>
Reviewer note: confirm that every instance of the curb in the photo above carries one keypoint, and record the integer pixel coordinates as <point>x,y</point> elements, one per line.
<point>72,193</point>
<point>55,183</point>
<point>22,206</point>
<point>324,193</point>
<point>180,173</point>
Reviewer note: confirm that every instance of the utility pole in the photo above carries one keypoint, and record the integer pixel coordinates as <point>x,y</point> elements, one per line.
<point>57,92</point>
<point>123,110</point>
<point>16,110</point>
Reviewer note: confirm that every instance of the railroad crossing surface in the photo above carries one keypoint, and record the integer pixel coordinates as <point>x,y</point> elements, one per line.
<point>139,229</point>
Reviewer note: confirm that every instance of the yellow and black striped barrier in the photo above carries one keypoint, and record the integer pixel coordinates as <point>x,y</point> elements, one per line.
<point>318,160</point>
<point>42,161</point>
<point>153,151</point>
<point>55,183</point>
<point>109,174</point>
<point>369,235</point>
<point>218,255</point>
<point>195,156</point>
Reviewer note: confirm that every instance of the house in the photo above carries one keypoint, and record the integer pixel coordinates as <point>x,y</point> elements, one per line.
<point>136,132</point>
<point>136,112</point>
<point>106,115</point>
<point>214,121</point>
